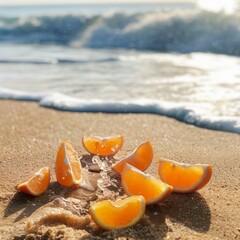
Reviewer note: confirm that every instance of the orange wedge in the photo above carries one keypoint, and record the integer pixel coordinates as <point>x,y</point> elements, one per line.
<point>120,214</point>
<point>140,158</point>
<point>136,182</point>
<point>184,177</point>
<point>37,184</point>
<point>68,168</point>
<point>107,146</point>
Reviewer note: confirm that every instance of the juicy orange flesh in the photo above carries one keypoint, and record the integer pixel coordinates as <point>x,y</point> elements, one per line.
<point>145,153</point>
<point>74,162</point>
<point>180,176</point>
<point>118,167</point>
<point>36,184</point>
<point>103,147</point>
<point>118,215</point>
<point>141,158</point>
<point>149,187</point>
<point>68,167</point>
<point>39,182</point>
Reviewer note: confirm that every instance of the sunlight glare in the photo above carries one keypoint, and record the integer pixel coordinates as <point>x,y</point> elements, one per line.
<point>228,6</point>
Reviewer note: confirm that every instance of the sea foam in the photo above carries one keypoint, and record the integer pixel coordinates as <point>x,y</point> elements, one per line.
<point>195,114</point>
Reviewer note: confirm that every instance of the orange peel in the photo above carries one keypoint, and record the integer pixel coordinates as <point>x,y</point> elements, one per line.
<point>140,158</point>
<point>37,184</point>
<point>110,215</point>
<point>136,182</point>
<point>107,146</point>
<point>67,167</point>
<point>182,176</point>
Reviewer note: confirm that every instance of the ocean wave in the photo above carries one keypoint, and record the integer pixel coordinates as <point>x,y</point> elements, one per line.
<point>195,114</point>
<point>57,61</point>
<point>175,31</point>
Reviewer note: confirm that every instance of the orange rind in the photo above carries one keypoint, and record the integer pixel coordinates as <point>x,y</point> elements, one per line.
<point>37,184</point>
<point>124,213</point>
<point>182,176</point>
<point>107,146</point>
<point>67,167</point>
<point>136,182</point>
<point>140,158</point>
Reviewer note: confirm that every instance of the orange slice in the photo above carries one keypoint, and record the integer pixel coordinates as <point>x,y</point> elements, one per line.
<point>184,177</point>
<point>37,184</point>
<point>120,214</point>
<point>107,146</point>
<point>135,182</point>
<point>140,158</point>
<point>68,168</point>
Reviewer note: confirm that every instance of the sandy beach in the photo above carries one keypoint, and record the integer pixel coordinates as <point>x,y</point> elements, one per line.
<point>29,140</point>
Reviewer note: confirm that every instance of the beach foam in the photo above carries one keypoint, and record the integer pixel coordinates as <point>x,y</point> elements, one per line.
<point>191,113</point>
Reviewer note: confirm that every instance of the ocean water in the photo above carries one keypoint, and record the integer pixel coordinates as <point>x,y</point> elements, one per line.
<point>167,59</point>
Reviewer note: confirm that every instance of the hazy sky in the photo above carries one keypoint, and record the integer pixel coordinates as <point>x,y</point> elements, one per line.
<point>20,2</point>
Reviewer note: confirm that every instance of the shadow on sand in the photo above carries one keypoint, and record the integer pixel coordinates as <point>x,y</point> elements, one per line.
<point>30,204</point>
<point>190,209</point>
<point>144,230</point>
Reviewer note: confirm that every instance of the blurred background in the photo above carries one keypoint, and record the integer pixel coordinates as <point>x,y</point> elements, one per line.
<point>176,58</point>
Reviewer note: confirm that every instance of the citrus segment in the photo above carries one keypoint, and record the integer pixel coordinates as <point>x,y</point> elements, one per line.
<point>120,214</point>
<point>140,158</point>
<point>107,146</point>
<point>67,167</point>
<point>184,177</point>
<point>135,182</point>
<point>37,184</point>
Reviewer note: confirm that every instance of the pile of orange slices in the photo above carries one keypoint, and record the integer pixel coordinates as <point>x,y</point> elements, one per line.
<point>141,188</point>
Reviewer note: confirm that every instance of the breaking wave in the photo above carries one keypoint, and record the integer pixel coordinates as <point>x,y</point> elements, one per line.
<point>183,32</point>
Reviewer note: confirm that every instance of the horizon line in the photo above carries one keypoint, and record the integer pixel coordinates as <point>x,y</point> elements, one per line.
<point>94,2</point>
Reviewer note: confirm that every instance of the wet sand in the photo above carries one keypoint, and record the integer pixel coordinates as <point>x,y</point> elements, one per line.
<point>29,140</point>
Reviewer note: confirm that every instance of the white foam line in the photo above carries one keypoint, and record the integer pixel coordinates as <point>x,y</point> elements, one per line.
<point>195,114</point>
<point>20,95</point>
